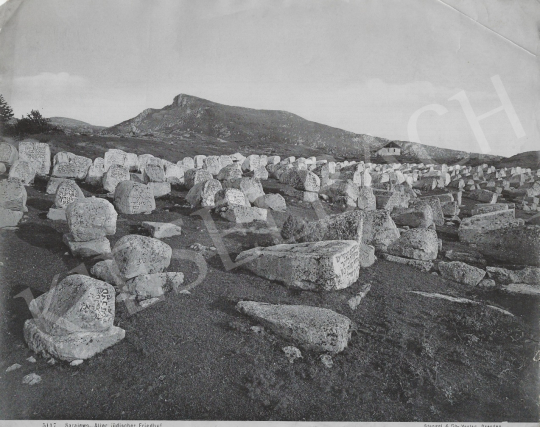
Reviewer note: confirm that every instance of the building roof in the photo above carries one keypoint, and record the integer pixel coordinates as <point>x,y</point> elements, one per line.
<point>391,144</point>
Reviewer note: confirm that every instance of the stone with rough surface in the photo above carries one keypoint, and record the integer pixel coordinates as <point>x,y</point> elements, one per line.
<point>461,272</point>
<point>379,230</point>
<point>67,192</point>
<point>161,230</point>
<point>115,175</point>
<point>87,249</point>
<point>312,328</point>
<point>136,255</point>
<point>76,346</point>
<point>318,266</point>
<point>243,214</point>
<point>134,198</point>
<point>416,243</point>
<point>23,172</point>
<point>90,219</point>
<point>38,154</point>
<point>203,194</point>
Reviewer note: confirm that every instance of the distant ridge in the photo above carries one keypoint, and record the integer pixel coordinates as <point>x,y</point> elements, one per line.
<point>190,116</point>
<point>75,126</point>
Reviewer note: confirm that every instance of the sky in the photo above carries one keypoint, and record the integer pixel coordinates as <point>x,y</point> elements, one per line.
<point>366,66</point>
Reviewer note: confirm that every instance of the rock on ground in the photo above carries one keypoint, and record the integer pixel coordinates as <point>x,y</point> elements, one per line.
<point>461,272</point>
<point>135,255</point>
<point>379,230</point>
<point>91,219</point>
<point>161,230</point>
<point>318,266</point>
<point>312,328</point>
<point>416,243</point>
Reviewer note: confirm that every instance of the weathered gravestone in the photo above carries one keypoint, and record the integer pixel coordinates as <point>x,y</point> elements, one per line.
<point>416,243</point>
<point>8,153</point>
<point>231,171</point>
<point>114,156</point>
<point>115,175</point>
<point>23,172</point>
<point>136,255</point>
<point>318,266</point>
<point>96,172</point>
<point>203,194</point>
<point>196,176</point>
<point>12,202</point>
<point>91,219</point>
<point>38,154</point>
<point>73,320</point>
<point>134,198</point>
<point>251,187</point>
<point>230,196</point>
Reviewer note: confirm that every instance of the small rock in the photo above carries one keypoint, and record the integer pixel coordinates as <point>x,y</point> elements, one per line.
<point>13,367</point>
<point>31,379</point>
<point>185,292</point>
<point>51,361</point>
<point>326,360</point>
<point>31,359</point>
<point>76,362</point>
<point>292,353</point>
<point>257,329</point>
<point>148,302</point>
<point>487,283</point>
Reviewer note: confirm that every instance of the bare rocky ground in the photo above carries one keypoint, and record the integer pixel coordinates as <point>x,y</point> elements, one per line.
<point>193,356</point>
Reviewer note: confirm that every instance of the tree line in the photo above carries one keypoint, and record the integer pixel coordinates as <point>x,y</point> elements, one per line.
<point>32,123</point>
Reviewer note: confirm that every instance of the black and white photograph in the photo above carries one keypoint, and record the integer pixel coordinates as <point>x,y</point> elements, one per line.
<point>285,211</point>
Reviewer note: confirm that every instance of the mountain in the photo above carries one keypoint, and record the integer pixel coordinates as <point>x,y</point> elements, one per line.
<point>528,159</point>
<point>191,117</point>
<point>75,126</point>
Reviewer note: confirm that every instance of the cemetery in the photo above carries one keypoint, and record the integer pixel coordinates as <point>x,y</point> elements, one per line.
<point>251,286</point>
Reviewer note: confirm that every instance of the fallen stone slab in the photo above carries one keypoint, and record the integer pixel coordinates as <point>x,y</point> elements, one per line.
<point>243,214</point>
<point>461,272</point>
<point>521,289</point>
<point>161,230</point>
<point>460,300</point>
<point>196,176</point>
<point>312,328</point>
<point>366,199</point>
<point>154,285</point>
<point>485,196</point>
<point>135,255</point>
<point>344,226</point>
<point>55,214</point>
<point>345,192</point>
<point>504,276</point>
<point>418,264</point>
<point>75,346</point>
<point>379,230</point>
<point>416,243</point>
<point>470,257</point>
<point>87,249</point>
<point>317,266</point>
<point>483,208</point>
<point>474,226</point>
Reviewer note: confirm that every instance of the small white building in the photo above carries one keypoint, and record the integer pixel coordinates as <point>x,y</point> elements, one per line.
<point>390,149</point>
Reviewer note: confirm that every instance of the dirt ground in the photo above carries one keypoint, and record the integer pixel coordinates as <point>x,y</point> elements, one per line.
<point>193,356</point>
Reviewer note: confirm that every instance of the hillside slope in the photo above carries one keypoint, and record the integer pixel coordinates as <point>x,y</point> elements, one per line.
<point>189,116</point>
<point>528,159</point>
<point>74,126</point>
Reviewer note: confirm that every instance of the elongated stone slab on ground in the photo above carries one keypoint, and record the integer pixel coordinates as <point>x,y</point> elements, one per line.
<point>312,328</point>
<point>461,272</point>
<point>416,263</point>
<point>344,226</point>
<point>154,285</point>
<point>38,154</point>
<point>75,346</point>
<point>86,249</point>
<point>470,228</point>
<point>317,266</point>
<point>161,230</point>
<point>243,214</point>
<point>528,275</point>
